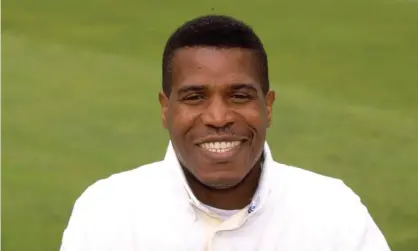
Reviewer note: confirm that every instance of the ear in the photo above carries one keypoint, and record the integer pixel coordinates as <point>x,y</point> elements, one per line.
<point>164,107</point>
<point>270,98</point>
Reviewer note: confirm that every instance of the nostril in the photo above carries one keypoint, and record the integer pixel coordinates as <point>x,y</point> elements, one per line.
<point>226,128</point>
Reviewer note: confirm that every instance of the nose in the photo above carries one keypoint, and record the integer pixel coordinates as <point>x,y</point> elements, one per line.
<point>217,114</point>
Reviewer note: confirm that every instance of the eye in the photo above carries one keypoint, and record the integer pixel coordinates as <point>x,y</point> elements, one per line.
<point>193,98</point>
<point>240,98</point>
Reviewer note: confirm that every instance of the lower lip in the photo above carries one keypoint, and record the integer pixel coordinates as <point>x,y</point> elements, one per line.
<point>222,156</point>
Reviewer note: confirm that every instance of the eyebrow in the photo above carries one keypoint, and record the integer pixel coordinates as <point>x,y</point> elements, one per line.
<point>191,88</point>
<point>249,87</point>
<point>199,88</point>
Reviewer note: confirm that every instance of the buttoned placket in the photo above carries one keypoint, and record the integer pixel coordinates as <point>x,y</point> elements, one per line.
<point>255,205</point>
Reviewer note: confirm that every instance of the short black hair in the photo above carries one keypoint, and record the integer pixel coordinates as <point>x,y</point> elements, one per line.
<point>214,31</point>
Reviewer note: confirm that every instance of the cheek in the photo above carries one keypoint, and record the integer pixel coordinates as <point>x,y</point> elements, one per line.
<point>181,121</point>
<point>255,116</point>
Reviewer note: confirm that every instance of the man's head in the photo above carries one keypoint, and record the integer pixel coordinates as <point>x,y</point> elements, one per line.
<point>216,102</point>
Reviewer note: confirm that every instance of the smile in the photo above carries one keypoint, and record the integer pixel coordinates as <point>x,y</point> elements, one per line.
<point>220,146</point>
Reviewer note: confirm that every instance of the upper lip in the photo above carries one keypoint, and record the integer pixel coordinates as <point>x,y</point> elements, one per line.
<point>227,138</point>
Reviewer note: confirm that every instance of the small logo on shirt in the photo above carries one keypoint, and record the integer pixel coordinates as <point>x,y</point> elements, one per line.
<point>253,204</point>
<point>251,209</point>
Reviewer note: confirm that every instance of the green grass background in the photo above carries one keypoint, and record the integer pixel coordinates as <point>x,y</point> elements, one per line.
<point>79,100</point>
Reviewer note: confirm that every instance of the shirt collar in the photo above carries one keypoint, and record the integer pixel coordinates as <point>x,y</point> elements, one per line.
<point>260,196</point>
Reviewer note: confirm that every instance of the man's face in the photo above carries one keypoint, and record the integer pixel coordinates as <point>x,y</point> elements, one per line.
<point>217,114</point>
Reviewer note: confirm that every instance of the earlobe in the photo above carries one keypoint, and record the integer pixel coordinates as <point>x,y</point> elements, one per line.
<point>164,107</point>
<point>270,98</point>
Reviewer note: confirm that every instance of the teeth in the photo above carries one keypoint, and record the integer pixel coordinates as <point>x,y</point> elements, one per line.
<point>220,147</point>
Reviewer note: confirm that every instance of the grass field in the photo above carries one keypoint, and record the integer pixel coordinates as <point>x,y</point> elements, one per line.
<point>79,98</point>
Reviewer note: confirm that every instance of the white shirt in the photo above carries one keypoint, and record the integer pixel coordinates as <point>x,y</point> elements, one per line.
<point>152,208</point>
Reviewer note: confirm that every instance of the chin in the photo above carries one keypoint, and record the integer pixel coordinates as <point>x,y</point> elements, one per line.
<point>220,186</point>
<point>221,183</point>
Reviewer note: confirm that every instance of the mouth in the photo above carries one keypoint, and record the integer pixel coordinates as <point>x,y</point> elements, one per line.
<point>221,149</point>
<point>220,146</point>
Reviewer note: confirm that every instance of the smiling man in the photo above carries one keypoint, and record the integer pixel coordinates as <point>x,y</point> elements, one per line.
<point>218,187</point>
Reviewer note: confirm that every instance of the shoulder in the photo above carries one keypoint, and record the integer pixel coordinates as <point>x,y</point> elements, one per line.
<point>311,185</point>
<point>313,196</point>
<point>330,205</point>
<point>110,201</point>
<point>102,214</point>
<point>119,188</point>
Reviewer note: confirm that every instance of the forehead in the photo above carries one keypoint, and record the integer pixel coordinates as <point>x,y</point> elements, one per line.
<point>215,66</point>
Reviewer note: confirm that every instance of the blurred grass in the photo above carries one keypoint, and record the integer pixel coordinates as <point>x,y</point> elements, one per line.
<point>80,82</point>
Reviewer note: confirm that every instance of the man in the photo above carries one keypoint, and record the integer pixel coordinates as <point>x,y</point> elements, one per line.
<point>218,187</point>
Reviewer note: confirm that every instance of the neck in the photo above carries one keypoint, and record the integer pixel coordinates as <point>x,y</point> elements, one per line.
<point>233,198</point>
